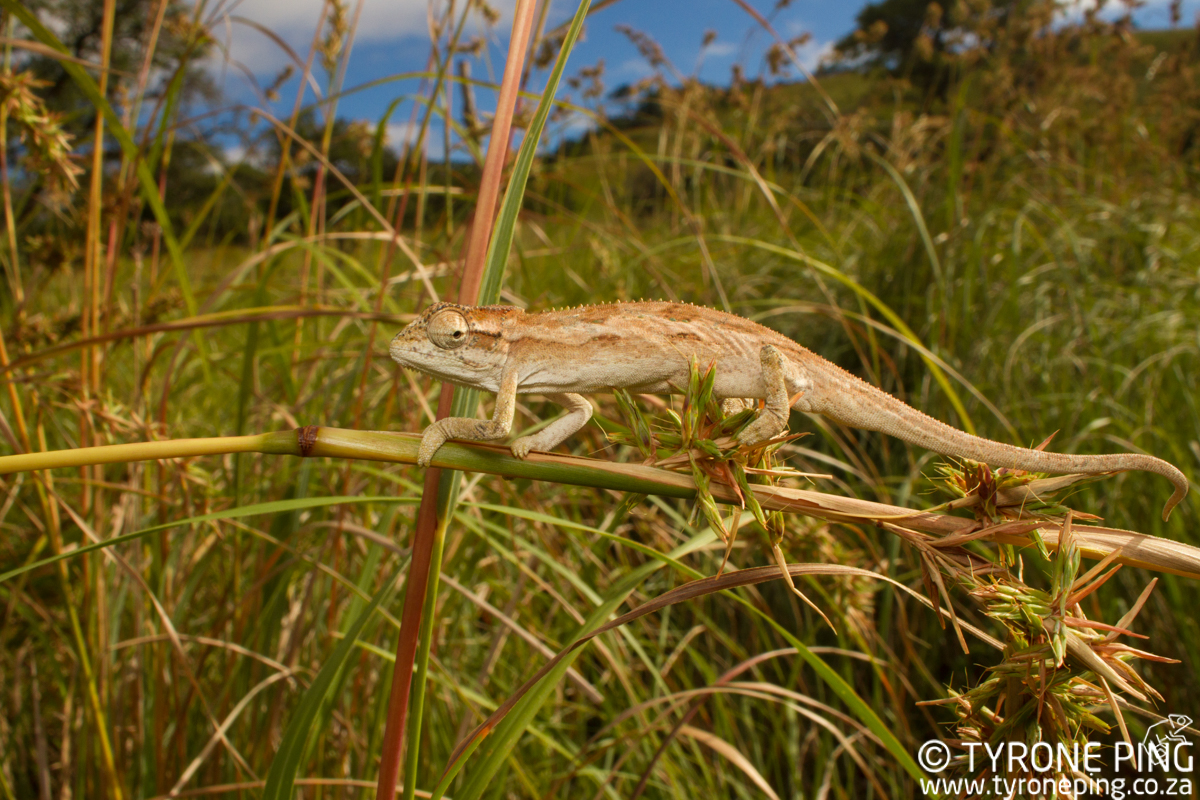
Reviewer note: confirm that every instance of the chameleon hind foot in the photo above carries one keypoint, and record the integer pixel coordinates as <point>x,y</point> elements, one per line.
<point>773,419</point>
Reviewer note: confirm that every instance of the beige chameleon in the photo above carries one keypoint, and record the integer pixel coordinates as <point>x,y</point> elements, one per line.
<point>648,347</point>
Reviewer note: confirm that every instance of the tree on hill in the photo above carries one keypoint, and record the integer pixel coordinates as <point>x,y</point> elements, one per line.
<point>64,113</point>
<point>180,43</point>
<point>922,40</point>
<point>895,33</point>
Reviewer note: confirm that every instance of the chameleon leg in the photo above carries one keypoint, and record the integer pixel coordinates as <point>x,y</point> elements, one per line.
<point>579,411</point>
<point>473,430</point>
<point>773,419</point>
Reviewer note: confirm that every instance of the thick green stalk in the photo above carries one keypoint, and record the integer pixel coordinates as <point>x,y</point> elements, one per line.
<point>282,443</point>
<point>396,447</point>
<point>1142,550</point>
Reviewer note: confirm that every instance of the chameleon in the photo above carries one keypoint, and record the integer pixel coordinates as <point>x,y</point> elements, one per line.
<point>648,348</point>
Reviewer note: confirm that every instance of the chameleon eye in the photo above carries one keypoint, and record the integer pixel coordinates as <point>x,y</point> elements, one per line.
<point>448,329</point>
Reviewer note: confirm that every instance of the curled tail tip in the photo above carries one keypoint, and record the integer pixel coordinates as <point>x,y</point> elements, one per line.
<point>1181,491</point>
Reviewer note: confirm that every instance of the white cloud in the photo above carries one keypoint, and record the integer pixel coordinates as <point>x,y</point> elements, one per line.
<point>1152,11</point>
<point>1112,9</point>
<point>631,69</point>
<point>379,19</point>
<point>399,134</point>
<point>575,124</point>
<point>720,50</point>
<point>294,22</point>
<point>813,53</point>
<point>794,27</point>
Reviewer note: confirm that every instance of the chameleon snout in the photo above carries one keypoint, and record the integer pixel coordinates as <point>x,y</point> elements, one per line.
<point>396,348</point>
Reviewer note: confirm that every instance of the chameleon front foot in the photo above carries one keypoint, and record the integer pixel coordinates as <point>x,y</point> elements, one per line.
<point>470,430</point>
<point>435,436</point>
<point>431,441</point>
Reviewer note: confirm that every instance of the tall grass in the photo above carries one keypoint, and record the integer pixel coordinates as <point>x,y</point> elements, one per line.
<point>1013,253</point>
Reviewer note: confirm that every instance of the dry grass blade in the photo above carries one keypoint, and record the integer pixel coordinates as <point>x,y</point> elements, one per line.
<point>735,757</point>
<point>50,52</point>
<point>221,318</point>
<point>781,562</point>
<point>219,735</point>
<point>589,691</point>
<point>219,729</point>
<point>1087,656</point>
<point>1133,549</point>
<point>798,705</point>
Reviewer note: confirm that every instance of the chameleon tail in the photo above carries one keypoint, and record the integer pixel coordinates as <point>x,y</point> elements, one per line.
<point>850,401</point>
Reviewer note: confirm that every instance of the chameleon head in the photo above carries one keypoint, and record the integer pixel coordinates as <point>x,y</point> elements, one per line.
<point>461,344</point>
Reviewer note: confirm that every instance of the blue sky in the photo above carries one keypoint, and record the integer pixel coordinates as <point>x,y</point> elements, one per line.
<point>392,39</point>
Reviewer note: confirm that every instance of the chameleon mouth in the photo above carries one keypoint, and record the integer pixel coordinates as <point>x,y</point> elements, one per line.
<point>397,350</point>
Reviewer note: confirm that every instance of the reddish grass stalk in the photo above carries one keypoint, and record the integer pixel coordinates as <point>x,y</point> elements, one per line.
<point>493,167</point>
<point>425,532</point>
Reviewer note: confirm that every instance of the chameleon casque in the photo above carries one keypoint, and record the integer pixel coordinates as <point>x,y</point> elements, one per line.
<point>647,347</point>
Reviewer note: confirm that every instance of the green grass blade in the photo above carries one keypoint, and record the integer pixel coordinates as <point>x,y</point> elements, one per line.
<point>281,778</point>
<point>466,400</point>
<point>514,195</point>
<point>274,507</point>
<point>209,204</point>
<point>914,208</point>
<point>499,744</point>
<point>500,741</point>
<point>845,692</point>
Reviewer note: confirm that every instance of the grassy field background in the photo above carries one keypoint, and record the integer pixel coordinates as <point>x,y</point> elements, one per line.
<point>1027,209</point>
